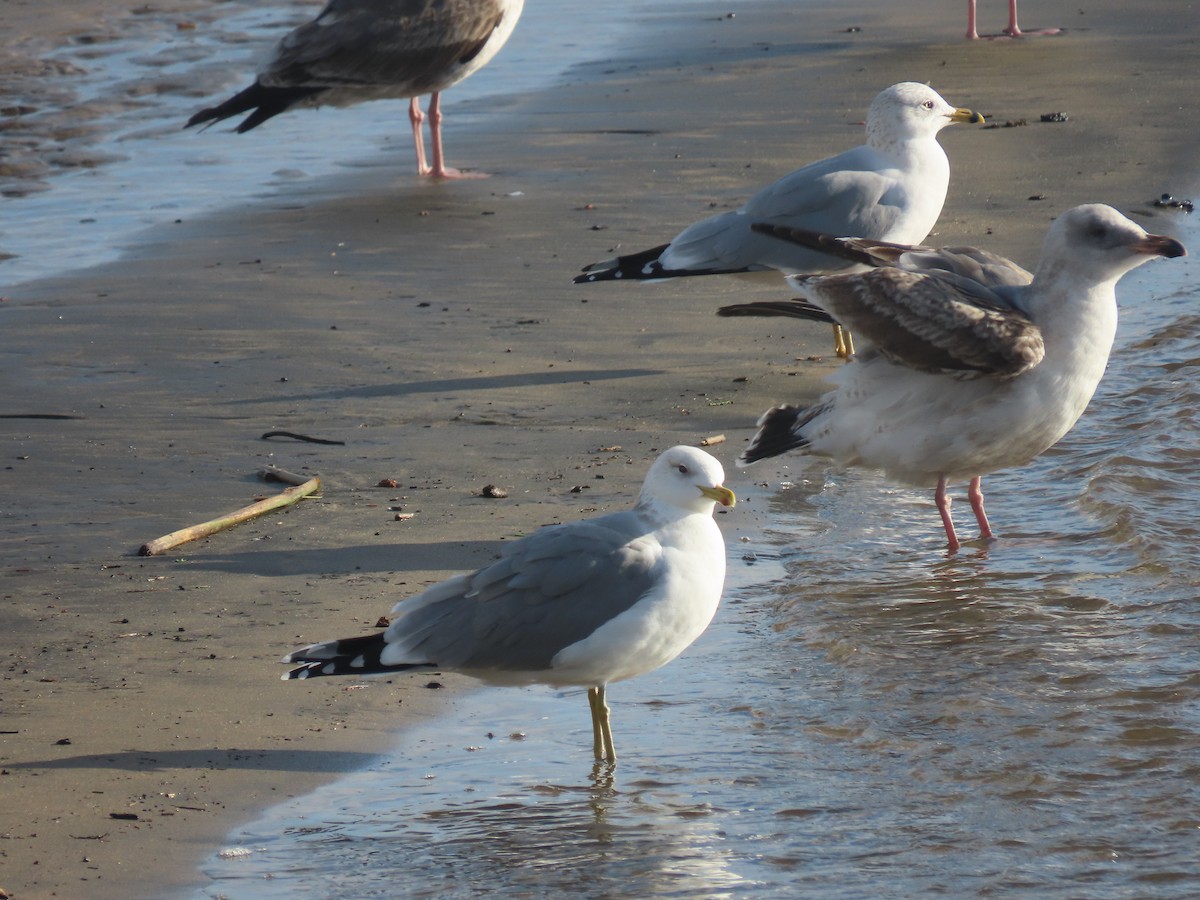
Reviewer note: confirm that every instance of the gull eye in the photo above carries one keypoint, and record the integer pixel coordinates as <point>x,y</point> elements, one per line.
<point>1098,233</point>
<point>928,104</point>
<point>683,470</point>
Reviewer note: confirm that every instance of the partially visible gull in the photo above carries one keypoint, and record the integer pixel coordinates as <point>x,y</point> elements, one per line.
<point>583,604</point>
<point>969,364</point>
<point>890,189</point>
<point>358,50</point>
<point>1013,29</point>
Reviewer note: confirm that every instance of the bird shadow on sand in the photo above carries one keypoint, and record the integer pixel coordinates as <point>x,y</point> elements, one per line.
<point>358,559</point>
<point>452,385</point>
<point>243,758</point>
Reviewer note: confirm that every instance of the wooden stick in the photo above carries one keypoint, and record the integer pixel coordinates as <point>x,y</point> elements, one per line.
<point>274,473</point>
<point>175,538</point>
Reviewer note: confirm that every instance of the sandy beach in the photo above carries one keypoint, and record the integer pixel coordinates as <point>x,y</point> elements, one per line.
<point>434,330</point>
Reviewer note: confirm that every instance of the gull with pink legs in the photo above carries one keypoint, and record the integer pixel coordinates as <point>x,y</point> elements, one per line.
<point>360,50</point>
<point>967,364</point>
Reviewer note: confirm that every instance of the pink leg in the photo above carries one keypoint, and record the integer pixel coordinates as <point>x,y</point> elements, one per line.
<point>975,495</point>
<point>440,169</point>
<point>417,117</point>
<point>1014,30</point>
<point>972,31</point>
<point>943,504</point>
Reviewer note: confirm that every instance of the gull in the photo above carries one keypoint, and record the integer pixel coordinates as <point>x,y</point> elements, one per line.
<point>1013,29</point>
<point>890,189</point>
<point>359,50</point>
<point>579,604</point>
<point>970,363</point>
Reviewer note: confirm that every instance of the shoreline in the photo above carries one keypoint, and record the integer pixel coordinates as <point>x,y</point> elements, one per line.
<point>309,316</point>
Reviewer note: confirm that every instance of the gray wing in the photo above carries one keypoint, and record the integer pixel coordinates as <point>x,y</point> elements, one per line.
<point>932,321</point>
<point>549,590</point>
<point>364,43</point>
<point>981,266</point>
<point>844,194</point>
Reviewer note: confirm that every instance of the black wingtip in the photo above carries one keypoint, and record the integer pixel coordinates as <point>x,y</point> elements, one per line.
<point>778,432</point>
<point>262,102</point>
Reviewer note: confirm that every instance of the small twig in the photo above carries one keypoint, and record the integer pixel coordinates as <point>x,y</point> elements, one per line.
<point>274,473</point>
<point>175,538</point>
<point>300,437</point>
<point>711,441</point>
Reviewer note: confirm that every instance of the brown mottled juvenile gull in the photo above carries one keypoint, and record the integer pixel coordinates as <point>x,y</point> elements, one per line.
<point>1012,30</point>
<point>968,365</point>
<point>583,604</point>
<point>891,188</point>
<point>358,50</point>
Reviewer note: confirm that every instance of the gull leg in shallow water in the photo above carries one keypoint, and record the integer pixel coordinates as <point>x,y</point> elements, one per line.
<point>975,495</point>
<point>942,499</point>
<point>602,739</point>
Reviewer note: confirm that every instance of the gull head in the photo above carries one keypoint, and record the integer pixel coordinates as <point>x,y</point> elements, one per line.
<point>1099,243</point>
<point>688,479</point>
<point>908,111</point>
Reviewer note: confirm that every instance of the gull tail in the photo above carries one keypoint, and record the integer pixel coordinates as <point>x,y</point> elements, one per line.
<point>779,430</point>
<point>264,101</point>
<point>796,309</point>
<point>644,266</point>
<point>349,656</point>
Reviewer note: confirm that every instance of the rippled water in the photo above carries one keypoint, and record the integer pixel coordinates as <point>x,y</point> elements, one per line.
<point>867,717</point>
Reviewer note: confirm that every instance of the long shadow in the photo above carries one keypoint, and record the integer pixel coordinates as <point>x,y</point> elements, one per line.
<point>482,382</point>
<point>247,758</point>
<point>358,558</point>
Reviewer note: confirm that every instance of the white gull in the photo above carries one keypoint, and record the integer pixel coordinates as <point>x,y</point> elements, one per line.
<point>968,365</point>
<point>580,604</point>
<point>891,189</point>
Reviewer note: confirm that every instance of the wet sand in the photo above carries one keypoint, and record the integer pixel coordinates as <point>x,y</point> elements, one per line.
<point>433,328</point>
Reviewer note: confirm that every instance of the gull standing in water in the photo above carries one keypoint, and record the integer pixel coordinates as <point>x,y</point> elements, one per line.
<point>970,365</point>
<point>581,604</point>
<point>889,189</point>
<point>358,50</point>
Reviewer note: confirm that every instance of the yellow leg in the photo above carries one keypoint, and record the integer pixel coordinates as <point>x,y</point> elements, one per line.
<point>602,739</point>
<point>843,342</point>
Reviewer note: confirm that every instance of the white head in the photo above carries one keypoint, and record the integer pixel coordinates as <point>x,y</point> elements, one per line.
<point>688,479</point>
<point>1097,244</point>
<point>910,111</point>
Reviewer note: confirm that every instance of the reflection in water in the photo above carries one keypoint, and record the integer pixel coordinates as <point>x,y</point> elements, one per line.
<point>868,717</point>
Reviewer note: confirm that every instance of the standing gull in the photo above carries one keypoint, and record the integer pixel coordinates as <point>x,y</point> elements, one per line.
<point>969,366</point>
<point>890,189</point>
<point>581,604</point>
<point>1012,30</point>
<point>358,50</point>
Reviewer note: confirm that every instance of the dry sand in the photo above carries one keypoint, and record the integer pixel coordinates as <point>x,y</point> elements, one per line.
<point>433,328</point>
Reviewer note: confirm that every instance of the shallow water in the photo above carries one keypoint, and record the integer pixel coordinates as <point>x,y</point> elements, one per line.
<point>867,717</point>
<point>98,154</point>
